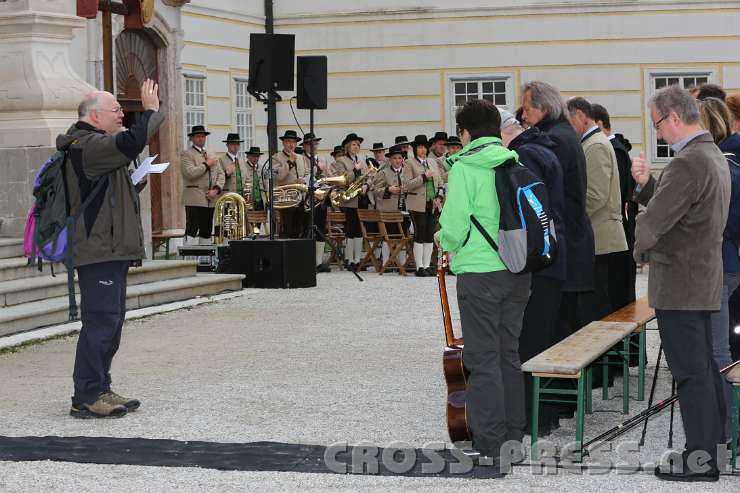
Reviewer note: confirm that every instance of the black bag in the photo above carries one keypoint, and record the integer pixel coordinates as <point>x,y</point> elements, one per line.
<point>527,241</point>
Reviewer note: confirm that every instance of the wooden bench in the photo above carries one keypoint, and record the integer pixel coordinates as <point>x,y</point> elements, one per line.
<point>572,359</point>
<point>640,313</point>
<point>163,237</point>
<point>254,220</point>
<point>335,221</point>
<point>395,236</point>
<point>734,378</point>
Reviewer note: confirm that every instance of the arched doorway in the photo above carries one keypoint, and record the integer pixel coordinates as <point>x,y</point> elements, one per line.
<point>136,60</point>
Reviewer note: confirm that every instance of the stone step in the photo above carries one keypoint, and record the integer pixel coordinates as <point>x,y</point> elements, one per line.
<point>37,288</point>
<point>17,268</point>
<point>11,247</point>
<point>27,316</point>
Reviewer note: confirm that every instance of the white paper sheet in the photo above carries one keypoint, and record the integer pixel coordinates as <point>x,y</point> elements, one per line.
<point>147,167</point>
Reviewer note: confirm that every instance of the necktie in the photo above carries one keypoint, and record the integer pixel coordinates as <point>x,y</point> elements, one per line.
<point>256,196</point>
<point>238,173</point>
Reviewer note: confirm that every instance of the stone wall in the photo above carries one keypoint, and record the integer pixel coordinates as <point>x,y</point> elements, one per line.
<point>18,167</point>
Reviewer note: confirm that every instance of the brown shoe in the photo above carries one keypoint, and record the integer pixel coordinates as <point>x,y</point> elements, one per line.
<point>104,407</point>
<point>130,404</point>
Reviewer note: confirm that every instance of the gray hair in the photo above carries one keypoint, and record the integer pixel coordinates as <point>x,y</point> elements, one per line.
<point>545,98</point>
<point>678,100</point>
<point>87,104</point>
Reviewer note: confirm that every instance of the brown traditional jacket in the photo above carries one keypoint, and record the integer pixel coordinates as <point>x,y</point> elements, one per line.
<point>198,178</point>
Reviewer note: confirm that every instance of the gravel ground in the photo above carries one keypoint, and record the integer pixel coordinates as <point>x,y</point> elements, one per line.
<point>345,362</point>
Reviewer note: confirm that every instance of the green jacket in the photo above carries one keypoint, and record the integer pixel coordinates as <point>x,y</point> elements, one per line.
<point>471,189</point>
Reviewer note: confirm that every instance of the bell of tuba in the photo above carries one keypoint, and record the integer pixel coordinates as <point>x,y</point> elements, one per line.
<point>230,218</point>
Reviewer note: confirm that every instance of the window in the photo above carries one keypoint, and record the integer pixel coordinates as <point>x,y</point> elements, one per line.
<point>243,121</point>
<point>195,103</point>
<point>496,89</point>
<point>663,151</point>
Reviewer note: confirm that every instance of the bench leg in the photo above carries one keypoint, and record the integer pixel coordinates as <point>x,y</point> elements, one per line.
<point>535,414</point>
<point>166,250</point>
<point>626,376</point>
<point>641,366</point>
<point>605,377</point>
<point>589,390</point>
<point>734,425</point>
<point>580,417</point>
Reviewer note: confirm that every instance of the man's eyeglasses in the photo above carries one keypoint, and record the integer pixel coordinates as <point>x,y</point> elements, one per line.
<point>114,110</point>
<point>656,125</point>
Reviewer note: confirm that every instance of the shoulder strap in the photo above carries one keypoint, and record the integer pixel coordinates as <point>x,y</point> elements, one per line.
<point>484,232</point>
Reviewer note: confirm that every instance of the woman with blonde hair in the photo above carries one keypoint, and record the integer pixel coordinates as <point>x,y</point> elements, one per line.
<point>717,118</point>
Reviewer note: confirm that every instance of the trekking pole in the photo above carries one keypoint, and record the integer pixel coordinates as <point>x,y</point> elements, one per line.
<point>673,407</point>
<point>652,394</point>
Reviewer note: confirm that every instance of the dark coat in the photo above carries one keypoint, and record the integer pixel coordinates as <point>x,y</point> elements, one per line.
<point>535,152</point>
<point>578,233</point>
<point>681,229</point>
<point>110,227</point>
<point>622,148</point>
<point>730,254</point>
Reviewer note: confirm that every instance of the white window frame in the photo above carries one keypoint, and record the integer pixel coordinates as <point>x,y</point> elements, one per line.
<point>505,77</point>
<point>195,103</point>
<point>681,75</point>
<point>243,109</point>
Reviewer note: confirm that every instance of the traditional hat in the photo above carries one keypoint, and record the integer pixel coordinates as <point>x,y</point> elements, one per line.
<point>454,140</point>
<point>420,140</point>
<point>351,137</point>
<point>254,150</point>
<point>394,150</point>
<point>336,150</point>
<point>378,146</point>
<point>198,130</point>
<point>309,137</point>
<point>232,139</point>
<point>290,134</point>
<point>402,140</point>
<point>438,136</point>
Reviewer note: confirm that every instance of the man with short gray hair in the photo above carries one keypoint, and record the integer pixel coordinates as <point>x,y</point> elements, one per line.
<point>680,233</point>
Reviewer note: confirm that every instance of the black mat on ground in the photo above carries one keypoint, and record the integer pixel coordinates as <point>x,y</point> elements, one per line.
<point>256,456</point>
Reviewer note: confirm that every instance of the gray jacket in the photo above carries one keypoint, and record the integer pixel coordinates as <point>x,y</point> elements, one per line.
<point>110,227</point>
<point>681,230</point>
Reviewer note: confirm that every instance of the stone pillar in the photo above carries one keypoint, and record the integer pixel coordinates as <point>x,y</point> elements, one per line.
<point>39,91</point>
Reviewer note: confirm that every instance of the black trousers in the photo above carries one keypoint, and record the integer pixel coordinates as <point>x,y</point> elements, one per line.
<point>292,222</point>
<point>687,344</point>
<point>103,308</point>
<point>538,334</point>
<point>491,311</point>
<point>198,221</point>
<point>424,224</point>
<point>319,220</point>
<point>352,224</point>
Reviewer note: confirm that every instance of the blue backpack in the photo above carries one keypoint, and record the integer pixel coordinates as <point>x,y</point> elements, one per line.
<point>527,241</point>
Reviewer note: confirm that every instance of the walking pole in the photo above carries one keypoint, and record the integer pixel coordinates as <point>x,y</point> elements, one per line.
<point>673,406</point>
<point>652,394</point>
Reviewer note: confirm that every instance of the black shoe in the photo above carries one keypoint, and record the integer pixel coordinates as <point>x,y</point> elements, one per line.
<point>421,273</point>
<point>687,475</point>
<point>323,268</point>
<point>431,271</point>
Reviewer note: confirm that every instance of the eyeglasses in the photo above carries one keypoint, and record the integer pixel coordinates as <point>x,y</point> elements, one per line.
<point>114,110</point>
<point>656,125</point>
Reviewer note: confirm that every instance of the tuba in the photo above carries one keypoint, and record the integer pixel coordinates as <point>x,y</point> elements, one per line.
<point>247,192</point>
<point>230,217</point>
<point>288,196</point>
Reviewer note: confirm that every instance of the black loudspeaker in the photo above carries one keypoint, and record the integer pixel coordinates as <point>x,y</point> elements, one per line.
<point>271,62</point>
<point>311,83</point>
<point>273,263</point>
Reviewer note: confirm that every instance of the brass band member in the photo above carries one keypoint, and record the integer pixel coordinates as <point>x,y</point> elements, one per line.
<point>379,154</point>
<point>403,141</point>
<point>321,169</point>
<point>354,167</point>
<point>423,197</point>
<point>438,153</point>
<point>389,188</point>
<point>230,165</point>
<point>335,154</point>
<point>289,167</point>
<point>252,178</point>
<point>454,145</point>
<point>203,180</point>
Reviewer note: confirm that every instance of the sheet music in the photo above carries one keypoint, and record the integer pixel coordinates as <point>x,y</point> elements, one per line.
<point>147,167</point>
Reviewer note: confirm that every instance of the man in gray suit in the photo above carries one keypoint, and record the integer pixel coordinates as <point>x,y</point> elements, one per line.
<point>680,233</point>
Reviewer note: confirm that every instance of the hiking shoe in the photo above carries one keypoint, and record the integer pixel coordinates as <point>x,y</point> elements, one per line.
<point>129,404</point>
<point>104,407</point>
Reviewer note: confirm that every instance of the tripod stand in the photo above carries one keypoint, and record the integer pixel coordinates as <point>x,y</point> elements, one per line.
<point>650,401</point>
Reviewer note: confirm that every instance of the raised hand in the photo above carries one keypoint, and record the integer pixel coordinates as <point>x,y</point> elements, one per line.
<point>150,95</point>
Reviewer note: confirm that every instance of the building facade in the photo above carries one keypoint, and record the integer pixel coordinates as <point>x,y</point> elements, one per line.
<point>405,70</point>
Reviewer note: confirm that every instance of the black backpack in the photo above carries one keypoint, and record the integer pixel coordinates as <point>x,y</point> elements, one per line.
<point>527,241</point>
